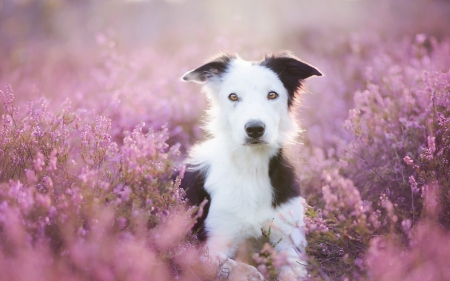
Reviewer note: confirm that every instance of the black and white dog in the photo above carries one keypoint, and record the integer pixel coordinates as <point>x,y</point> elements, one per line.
<point>241,169</point>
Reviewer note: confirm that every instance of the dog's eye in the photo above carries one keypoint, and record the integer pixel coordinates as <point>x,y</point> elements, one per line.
<point>272,95</point>
<point>233,97</point>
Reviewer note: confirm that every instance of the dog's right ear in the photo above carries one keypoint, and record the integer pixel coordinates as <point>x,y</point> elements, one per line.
<point>209,71</point>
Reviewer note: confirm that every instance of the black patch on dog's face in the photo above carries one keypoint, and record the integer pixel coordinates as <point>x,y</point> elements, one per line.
<point>283,180</point>
<point>193,183</point>
<point>291,71</point>
<point>212,69</point>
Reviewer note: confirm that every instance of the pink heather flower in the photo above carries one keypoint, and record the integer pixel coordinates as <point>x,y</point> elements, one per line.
<point>85,136</point>
<point>31,176</point>
<point>7,98</point>
<point>124,192</point>
<point>267,248</point>
<point>15,188</point>
<point>87,174</point>
<point>431,144</point>
<point>262,268</point>
<point>122,222</point>
<point>387,205</point>
<point>104,185</point>
<point>413,183</point>
<point>39,162</point>
<point>406,225</point>
<point>420,38</point>
<point>82,232</point>
<point>47,181</point>
<point>24,196</point>
<point>408,161</point>
<point>256,257</point>
<point>43,200</point>
<point>279,260</point>
<point>52,211</point>
<point>37,133</point>
<point>53,160</point>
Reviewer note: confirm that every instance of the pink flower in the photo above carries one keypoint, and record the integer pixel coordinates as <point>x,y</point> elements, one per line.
<point>408,161</point>
<point>39,162</point>
<point>53,160</point>
<point>31,176</point>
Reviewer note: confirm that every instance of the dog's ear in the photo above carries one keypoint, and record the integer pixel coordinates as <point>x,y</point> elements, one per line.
<point>290,70</point>
<point>209,71</point>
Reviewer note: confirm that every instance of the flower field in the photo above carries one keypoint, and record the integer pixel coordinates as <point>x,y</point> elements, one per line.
<point>92,143</point>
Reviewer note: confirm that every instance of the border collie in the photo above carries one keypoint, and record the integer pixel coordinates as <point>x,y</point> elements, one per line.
<point>242,170</point>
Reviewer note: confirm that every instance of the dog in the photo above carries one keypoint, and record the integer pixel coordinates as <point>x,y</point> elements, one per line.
<point>242,169</point>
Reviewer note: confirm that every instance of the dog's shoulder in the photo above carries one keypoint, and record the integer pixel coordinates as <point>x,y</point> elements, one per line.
<point>193,184</point>
<point>283,179</point>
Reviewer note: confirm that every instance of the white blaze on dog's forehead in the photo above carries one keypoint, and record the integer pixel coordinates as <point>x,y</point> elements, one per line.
<point>241,70</point>
<point>244,75</point>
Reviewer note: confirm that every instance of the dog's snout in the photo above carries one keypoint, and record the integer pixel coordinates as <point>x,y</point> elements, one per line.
<point>255,129</point>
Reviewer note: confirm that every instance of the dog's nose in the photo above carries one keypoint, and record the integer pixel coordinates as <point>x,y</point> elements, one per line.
<point>255,129</point>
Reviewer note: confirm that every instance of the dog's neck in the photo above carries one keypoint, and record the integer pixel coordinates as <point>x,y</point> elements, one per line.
<point>245,158</point>
<point>251,158</point>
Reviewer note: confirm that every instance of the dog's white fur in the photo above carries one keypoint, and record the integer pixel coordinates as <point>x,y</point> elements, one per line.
<point>238,180</point>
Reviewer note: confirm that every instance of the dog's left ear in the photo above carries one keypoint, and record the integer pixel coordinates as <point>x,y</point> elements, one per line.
<point>209,71</point>
<point>290,70</point>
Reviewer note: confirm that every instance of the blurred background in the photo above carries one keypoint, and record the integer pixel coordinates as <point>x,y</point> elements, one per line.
<point>71,26</point>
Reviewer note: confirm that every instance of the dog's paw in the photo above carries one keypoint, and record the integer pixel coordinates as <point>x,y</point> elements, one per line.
<point>237,271</point>
<point>294,273</point>
<point>245,272</point>
<point>254,275</point>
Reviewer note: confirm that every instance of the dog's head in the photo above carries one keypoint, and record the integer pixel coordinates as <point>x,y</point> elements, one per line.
<point>251,101</point>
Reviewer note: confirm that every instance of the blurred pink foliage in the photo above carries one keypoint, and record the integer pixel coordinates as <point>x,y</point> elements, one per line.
<point>76,205</point>
<point>389,177</point>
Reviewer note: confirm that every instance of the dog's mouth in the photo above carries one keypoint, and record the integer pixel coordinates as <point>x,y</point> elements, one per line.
<point>254,142</point>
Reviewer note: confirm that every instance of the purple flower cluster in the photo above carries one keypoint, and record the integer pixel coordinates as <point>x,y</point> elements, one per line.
<point>74,204</point>
<point>386,179</point>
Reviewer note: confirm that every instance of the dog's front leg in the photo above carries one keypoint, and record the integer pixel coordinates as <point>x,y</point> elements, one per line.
<point>289,237</point>
<point>295,267</point>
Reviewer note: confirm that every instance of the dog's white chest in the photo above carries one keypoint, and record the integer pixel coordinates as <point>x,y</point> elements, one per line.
<point>241,200</point>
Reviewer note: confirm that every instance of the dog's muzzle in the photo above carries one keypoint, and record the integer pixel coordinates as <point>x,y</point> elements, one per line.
<point>255,129</point>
